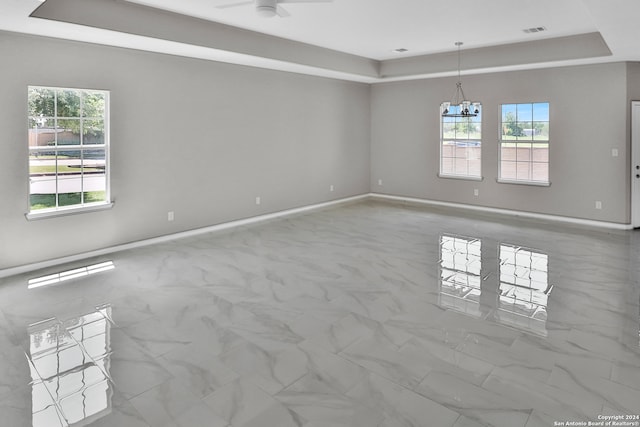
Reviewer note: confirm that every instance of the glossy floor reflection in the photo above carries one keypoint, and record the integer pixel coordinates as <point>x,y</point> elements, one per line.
<point>69,363</point>
<point>369,314</point>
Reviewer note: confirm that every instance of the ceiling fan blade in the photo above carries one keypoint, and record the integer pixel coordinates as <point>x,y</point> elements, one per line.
<point>305,1</point>
<point>282,12</point>
<point>242,3</point>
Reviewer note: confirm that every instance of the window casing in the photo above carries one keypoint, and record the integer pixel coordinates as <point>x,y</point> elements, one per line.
<point>524,143</point>
<point>461,145</point>
<point>68,140</point>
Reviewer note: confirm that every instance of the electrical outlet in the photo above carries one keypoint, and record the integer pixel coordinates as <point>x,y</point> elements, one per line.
<point>598,204</point>
<point>476,192</point>
<point>614,152</point>
<point>331,188</point>
<point>258,200</point>
<point>170,216</point>
<point>379,182</point>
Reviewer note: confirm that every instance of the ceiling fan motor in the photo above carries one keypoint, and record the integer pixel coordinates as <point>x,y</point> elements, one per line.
<point>266,8</point>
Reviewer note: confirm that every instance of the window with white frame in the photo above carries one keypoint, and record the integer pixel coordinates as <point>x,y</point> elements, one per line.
<point>524,143</point>
<point>68,139</point>
<point>460,145</point>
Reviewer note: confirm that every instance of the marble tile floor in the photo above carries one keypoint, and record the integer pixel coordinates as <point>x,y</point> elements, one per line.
<point>369,314</point>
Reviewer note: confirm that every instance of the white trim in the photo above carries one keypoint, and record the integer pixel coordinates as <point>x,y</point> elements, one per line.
<point>522,214</point>
<point>635,161</point>
<point>462,177</point>
<point>71,210</point>
<point>7,272</point>
<point>515,182</point>
<point>167,238</point>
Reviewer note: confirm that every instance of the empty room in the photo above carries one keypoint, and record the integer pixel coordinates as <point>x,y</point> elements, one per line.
<point>319,213</point>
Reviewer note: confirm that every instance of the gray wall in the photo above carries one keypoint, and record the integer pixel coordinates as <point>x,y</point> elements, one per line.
<point>203,139</point>
<point>199,138</point>
<point>588,114</point>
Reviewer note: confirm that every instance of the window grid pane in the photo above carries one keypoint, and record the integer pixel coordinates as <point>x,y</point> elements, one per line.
<point>461,145</point>
<point>68,147</point>
<point>524,142</point>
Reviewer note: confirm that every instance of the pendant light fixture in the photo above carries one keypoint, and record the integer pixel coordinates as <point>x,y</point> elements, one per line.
<point>465,108</point>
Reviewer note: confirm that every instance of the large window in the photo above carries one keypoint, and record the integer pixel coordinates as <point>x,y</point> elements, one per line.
<point>524,143</point>
<point>461,145</point>
<point>68,149</point>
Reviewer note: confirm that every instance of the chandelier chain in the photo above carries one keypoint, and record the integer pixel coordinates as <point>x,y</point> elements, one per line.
<point>459,44</point>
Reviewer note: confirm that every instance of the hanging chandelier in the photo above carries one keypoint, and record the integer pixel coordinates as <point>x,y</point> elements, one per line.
<point>465,108</point>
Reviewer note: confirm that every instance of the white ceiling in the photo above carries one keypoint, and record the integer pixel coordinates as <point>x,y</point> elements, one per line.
<point>373,28</point>
<point>367,28</point>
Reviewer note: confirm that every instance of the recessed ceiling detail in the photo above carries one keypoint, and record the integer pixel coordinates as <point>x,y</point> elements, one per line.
<point>373,28</point>
<point>337,40</point>
<point>510,55</point>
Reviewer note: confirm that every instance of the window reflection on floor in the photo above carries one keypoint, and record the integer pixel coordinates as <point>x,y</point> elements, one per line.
<point>524,288</point>
<point>69,363</point>
<point>520,297</point>
<point>75,273</point>
<point>460,267</point>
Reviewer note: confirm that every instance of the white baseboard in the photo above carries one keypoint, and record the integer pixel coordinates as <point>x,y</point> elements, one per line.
<point>237,223</point>
<point>12,271</point>
<point>509,212</point>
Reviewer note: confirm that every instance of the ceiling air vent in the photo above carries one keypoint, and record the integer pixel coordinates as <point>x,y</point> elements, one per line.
<point>534,29</point>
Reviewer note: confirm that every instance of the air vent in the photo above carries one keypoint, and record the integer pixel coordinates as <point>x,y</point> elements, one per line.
<point>534,29</point>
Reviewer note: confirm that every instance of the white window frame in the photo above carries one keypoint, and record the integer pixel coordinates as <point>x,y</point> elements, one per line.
<point>83,206</point>
<point>464,176</point>
<point>531,162</point>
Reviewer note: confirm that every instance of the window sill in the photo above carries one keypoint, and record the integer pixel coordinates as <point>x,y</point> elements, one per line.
<point>462,177</point>
<point>534,183</point>
<point>73,210</point>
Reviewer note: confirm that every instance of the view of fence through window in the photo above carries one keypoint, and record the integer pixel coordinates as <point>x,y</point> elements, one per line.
<point>67,147</point>
<point>461,145</point>
<point>524,142</point>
